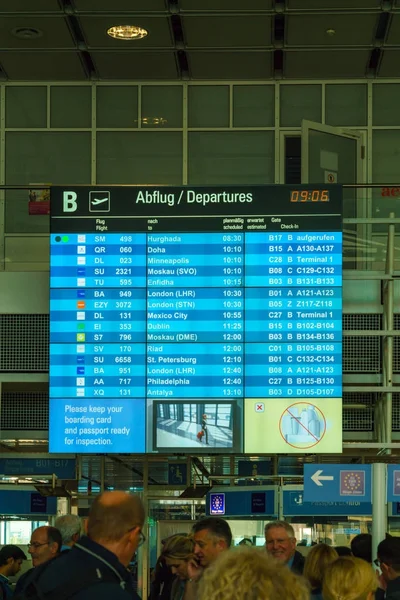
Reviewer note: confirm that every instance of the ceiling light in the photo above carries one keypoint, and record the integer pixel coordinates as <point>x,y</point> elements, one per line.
<point>27,33</point>
<point>127,32</point>
<point>330,32</point>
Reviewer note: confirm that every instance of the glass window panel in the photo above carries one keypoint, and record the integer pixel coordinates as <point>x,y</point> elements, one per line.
<point>346,105</point>
<point>42,157</point>
<point>385,156</point>
<point>186,412</point>
<point>161,106</point>
<point>385,104</point>
<point>253,105</point>
<point>70,106</point>
<point>300,102</point>
<point>245,157</point>
<point>208,106</point>
<point>161,410</point>
<point>139,157</point>
<point>26,106</point>
<point>117,106</point>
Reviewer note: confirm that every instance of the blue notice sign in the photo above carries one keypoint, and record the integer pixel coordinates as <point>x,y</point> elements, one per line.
<point>295,506</point>
<point>217,504</point>
<point>38,503</point>
<point>393,483</point>
<point>177,473</point>
<point>63,468</point>
<point>337,483</point>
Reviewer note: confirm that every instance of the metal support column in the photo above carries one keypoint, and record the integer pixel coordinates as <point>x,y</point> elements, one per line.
<point>388,324</point>
<point>144,550</point>
<point>379,508</point>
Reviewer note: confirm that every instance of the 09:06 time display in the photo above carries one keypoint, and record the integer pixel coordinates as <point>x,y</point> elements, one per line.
<point>309,196</point>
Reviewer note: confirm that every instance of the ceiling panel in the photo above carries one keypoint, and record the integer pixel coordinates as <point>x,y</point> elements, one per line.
<point>390,65</point>
<point>329,4</point>
<point>393,37</point>
<point>310,30</point>
<point>42,66</point>
<point>55,33</point>
<point>95,29</point>
<point>227,32</point>
<point>326,64</point>
<point>224,5</point>
<point>95,6</point>
<point>137,65</point>
<point>230,65</point>
<point>32,6</point>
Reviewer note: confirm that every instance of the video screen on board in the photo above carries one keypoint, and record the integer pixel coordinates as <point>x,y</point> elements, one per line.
<point>190,424</point>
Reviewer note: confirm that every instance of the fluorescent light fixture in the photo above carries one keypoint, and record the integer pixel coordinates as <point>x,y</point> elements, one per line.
<point>127,32</point>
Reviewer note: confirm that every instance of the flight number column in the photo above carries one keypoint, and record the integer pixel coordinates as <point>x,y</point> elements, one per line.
<point>293,314</point>
<point>97,334</point>
<point>195,304</point>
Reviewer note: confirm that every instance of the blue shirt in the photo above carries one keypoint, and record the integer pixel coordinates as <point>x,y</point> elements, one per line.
<point>5,587</point>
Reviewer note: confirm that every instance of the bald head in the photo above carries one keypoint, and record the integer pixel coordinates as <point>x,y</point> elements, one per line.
<point>113,514</point>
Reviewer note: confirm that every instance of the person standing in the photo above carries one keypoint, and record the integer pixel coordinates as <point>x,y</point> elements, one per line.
<point>280,542</point>
<point>11,558</point>
<point>70,528</point>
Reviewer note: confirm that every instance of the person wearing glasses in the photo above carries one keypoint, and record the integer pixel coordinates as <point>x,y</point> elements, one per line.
<point>96,567</point>
<point>45,545</point>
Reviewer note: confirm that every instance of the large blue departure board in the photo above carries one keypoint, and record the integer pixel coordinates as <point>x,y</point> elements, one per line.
<point>196,320</point>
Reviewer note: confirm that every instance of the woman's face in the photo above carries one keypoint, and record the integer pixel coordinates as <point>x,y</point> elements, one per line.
<point>178,567</point>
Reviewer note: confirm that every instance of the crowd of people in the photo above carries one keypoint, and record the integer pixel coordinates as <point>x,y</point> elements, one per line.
<point>199,566</point>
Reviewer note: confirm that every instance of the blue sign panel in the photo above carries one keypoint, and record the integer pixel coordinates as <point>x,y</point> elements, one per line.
<point>337,483</point>
<point>24,502</point>
<point>252,468</point>
<point>63,468</point>
<point>393,483</point>
<point>295,506</point>
<point>241,503</point>
<point>217,504</point>
<point>177,473</point>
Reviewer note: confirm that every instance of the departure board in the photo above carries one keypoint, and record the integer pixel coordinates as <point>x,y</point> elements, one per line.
<point>196,319</point>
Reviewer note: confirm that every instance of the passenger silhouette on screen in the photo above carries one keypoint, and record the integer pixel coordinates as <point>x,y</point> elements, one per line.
<point>204,427</point>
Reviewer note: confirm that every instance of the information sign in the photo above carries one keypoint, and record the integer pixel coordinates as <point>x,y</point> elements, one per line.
<point>196,319</point>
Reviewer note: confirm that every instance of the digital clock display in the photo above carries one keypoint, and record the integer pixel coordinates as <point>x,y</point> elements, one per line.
<point>309,196</point>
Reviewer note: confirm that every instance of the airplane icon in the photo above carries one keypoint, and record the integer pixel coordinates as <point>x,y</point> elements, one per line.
<point>99,201</point>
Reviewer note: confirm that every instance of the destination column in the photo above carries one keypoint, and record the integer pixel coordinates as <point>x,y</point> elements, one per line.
<point>195,302</point>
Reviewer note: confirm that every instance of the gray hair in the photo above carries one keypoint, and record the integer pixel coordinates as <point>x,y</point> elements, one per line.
<point>284,524</point>
<point>68,525</point>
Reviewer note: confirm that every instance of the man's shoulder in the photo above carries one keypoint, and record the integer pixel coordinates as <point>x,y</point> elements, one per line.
<point>105,591</point>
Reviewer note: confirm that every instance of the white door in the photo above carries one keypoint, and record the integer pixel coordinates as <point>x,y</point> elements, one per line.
<point>333,155</point>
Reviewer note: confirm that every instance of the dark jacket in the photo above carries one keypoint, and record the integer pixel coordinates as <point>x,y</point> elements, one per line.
<point>87,561</point>
<point>298,563</point>
<point>393,589</point>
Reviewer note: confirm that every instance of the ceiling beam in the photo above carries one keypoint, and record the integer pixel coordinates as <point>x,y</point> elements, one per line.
<point>78,37</point>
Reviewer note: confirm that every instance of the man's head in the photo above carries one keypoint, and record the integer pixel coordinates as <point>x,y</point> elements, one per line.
<point>211,536</point>
<point>361,546</point>
<point>70,528</point>
<point>389,558</point>
<point>115,522</point>
<point>11,558</point>
<point>280,541</point>
<point>45,544</point>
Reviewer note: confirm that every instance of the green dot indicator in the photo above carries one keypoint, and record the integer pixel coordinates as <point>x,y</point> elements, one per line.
<point>65,238</point>
<point>57,238</point>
